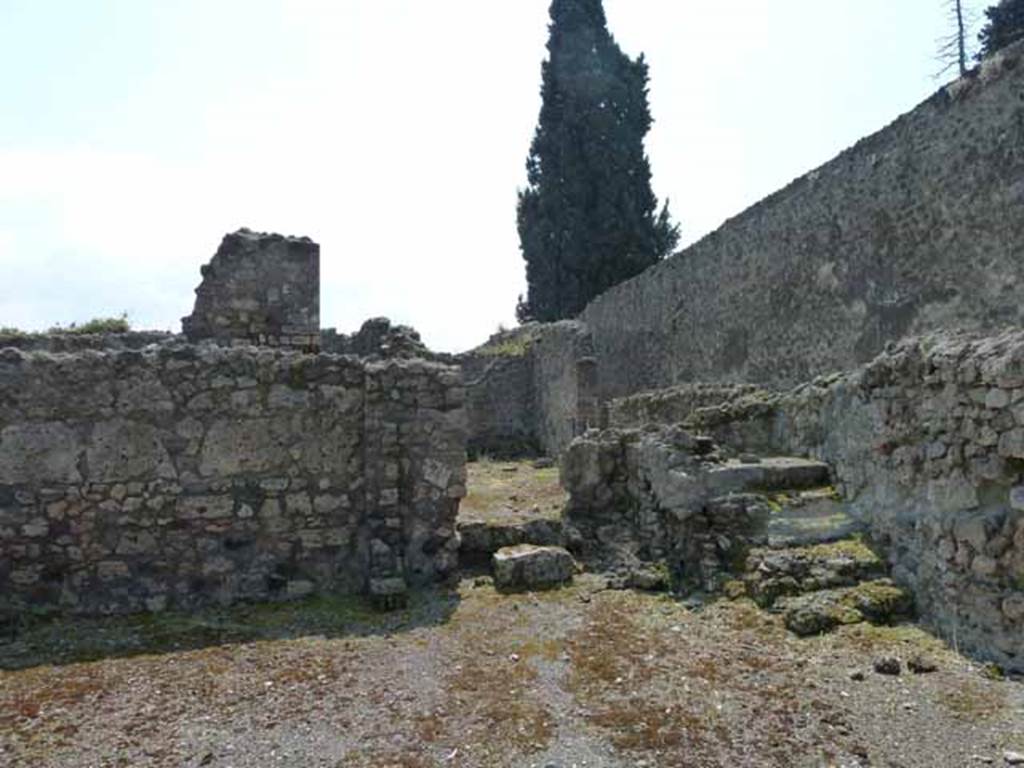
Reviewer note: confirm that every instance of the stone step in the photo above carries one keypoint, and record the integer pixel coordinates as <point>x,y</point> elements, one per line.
<point>769,574</point>
<point>783,519</point>
<point>776,473</point>
<point>479,539</point>
<point>808,517</point>
<point>877,602</point>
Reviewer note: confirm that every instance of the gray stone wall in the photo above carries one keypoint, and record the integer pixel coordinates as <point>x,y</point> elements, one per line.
<point>531,390</point>
<point>181,475</point>
<point>916,228</point>
<point>259,289</point>
<point>500,403</point>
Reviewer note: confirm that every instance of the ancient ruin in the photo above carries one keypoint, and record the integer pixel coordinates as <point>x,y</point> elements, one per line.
<point>815,415</point>
<point>206,469</point>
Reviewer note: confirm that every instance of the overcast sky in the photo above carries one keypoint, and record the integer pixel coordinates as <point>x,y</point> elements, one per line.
<point>135,133</point>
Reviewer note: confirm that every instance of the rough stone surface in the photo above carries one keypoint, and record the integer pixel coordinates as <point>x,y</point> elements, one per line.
<point>178,475</point>
<point>378,338</point>
<point>526,567</point>
<point>916,228</point>
<point>259,289</point>
<point>531,390</point>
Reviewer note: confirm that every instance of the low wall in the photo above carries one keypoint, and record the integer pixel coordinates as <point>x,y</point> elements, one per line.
<point>917,228</point>
<point>180,475</point>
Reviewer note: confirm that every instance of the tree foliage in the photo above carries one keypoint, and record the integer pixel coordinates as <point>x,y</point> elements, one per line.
<point>588,218</point>
<point>1005,25</point>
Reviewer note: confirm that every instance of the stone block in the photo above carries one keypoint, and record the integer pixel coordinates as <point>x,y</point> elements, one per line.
<point>1017,498</point>
<point>526,567</point>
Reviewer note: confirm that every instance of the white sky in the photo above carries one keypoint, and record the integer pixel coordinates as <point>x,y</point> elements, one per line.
<point>135,133</point>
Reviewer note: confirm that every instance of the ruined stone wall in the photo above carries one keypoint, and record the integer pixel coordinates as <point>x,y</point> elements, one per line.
<point>500,410</point>
<point>78,342</point>
<point>531,390</point>
<point>928,443</point>
<point>916,228</point>
<point>564,378</point>
<point>259,289</point>
<point>182,475</point>
<point>927,447</point>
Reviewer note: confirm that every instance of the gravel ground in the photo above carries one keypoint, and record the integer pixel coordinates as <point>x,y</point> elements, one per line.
<point>576,677</point>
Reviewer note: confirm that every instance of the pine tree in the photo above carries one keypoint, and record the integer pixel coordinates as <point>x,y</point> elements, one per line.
<point>1005,26</point>
<point>587,218</point>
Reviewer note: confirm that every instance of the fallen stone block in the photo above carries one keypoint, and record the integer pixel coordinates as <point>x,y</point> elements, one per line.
<point>526,567</point>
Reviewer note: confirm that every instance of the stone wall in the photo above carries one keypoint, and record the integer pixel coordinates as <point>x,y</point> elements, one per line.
<point>916,228</point>
<point>78,342</point>
<point>181,475</point>
<point>530,390</point>
<point>259,289</point>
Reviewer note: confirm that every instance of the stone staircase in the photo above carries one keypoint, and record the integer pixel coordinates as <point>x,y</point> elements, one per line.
<point>795,549</point>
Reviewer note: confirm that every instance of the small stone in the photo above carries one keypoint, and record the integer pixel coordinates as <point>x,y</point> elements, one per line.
<point>1017,498</point>
<point>1013,608</point>
<point>997,398</point>
<point>887,665</point>
<point>1013,758</point>
<point>857,675</point>
<point>920,664</point>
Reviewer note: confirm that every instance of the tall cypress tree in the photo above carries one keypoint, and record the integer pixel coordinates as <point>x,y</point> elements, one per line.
<point>1005,25</point>
<point>587,218</point>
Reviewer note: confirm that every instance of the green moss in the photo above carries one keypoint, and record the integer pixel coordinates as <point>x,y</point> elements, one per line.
<point>853,547</point>
<point>879,601</point>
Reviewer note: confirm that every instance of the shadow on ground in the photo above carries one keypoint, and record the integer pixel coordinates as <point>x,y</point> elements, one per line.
<point>60,641</point>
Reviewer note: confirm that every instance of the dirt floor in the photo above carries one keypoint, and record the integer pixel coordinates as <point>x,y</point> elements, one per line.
<point>466,677</point>
<point>507,492</point>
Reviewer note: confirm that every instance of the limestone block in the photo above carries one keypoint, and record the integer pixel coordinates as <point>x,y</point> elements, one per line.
<point>122,450</point>
<point>1011,444</point>
<point>205,507</point>
<point>530,567</point>
<point>1013,608</point>
<point>39,453</point>
<point>233,447</point>
<point>972,530</point>
<point>997,398</point>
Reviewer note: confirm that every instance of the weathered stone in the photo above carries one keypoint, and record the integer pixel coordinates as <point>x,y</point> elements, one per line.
<point>530,567</point>
<point>997,398</point>
<point>254,501</point>
<point>1011,444</point>
<point>39,452</point>
<point>1013,608</point>
<point>262,288</point>
<point>887,665</point>
<point>125,450</point>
